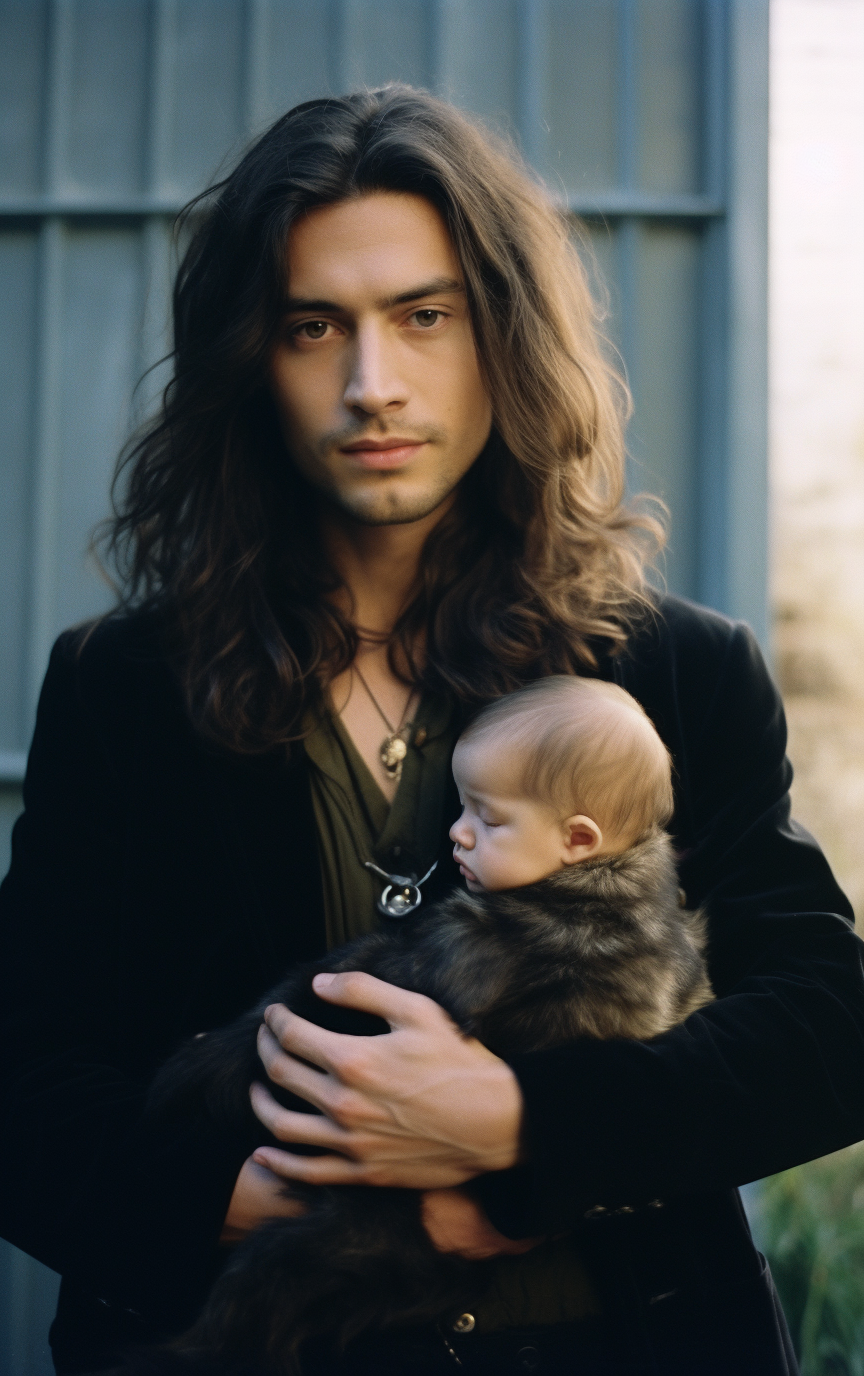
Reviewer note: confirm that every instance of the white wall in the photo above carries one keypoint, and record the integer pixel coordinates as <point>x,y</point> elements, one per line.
<point>817,411</point>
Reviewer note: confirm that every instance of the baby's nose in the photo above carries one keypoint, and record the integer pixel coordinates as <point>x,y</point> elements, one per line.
<point>462,834</point>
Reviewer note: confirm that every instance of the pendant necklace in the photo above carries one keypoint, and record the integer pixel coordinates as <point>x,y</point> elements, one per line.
<point>394,747</point>
<point>401,894</point>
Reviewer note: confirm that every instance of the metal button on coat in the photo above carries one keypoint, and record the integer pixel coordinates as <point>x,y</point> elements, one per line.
<point>528,1359</point>
<point>464,1324</point>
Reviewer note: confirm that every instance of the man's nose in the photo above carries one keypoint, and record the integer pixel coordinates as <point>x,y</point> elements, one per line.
<point>374,384</point>
<point>462,835</point>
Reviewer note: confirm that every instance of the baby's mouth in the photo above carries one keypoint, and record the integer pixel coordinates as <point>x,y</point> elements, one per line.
<point>464,870</point>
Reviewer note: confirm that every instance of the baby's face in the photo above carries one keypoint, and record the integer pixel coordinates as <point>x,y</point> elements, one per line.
<point>503,839</point>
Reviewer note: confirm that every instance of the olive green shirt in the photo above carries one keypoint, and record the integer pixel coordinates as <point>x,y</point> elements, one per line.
<point>355,823</point>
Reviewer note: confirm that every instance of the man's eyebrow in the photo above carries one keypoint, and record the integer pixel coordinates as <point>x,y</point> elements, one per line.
<point>306,304</point>
<point>438,286</point>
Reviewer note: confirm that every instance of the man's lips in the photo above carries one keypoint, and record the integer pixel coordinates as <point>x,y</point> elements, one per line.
<point>382,454</point>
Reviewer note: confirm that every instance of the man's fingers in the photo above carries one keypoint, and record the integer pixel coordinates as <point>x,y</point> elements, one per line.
<point>300,1038</point>
<point>356,989</point>
<point>312,1170</point>
<point>286,1071</point>
<point>312,1129</point>
<point>337,1170</point>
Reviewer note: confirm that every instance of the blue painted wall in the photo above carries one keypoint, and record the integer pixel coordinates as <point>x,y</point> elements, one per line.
<point>648,117</point>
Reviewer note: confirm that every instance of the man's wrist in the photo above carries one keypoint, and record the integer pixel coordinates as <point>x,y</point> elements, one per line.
<point>507,1142</point>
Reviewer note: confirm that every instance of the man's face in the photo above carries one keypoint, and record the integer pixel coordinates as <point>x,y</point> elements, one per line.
<point>376,376</point>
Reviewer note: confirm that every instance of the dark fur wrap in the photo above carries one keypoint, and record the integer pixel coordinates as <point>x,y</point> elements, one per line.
<point>601,949</point>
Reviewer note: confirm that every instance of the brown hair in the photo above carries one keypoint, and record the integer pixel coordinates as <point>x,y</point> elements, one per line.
<point>535,568</point>
<point>586,746</point>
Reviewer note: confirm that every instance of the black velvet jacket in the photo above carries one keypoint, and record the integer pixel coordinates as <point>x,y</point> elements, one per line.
<point>158,887</point>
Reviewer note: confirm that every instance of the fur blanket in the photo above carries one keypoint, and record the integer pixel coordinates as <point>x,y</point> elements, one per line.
<point>602,949</point>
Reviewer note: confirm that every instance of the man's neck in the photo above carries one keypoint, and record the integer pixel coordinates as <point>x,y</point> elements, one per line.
<point>379,565</point>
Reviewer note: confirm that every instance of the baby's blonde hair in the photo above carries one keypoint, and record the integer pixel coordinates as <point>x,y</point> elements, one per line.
<point>587,747</point>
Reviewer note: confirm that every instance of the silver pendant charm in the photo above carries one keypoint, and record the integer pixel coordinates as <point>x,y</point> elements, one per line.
<point>401,895</point>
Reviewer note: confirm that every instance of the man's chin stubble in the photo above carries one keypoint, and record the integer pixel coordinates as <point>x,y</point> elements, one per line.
<point>387,509</point>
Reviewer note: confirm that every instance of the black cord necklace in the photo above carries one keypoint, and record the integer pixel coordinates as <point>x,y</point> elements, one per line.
<point>394,747</point>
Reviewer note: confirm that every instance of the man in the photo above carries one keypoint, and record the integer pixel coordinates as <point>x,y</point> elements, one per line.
<point>386,487</point>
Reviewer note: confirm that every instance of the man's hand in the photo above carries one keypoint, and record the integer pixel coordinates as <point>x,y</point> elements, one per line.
<point>258,1195</point>
<point>421,1108</point>
<point>456,1223</point>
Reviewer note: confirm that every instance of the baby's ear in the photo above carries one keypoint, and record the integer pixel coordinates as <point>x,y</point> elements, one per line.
<point>582,839</point>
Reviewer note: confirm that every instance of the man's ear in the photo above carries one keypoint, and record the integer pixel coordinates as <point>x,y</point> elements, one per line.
<point>582,839</point>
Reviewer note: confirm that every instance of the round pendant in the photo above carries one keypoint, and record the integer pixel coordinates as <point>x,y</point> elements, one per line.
<point>401,895</point>
<point>392,753</point>
<point>400,899</point>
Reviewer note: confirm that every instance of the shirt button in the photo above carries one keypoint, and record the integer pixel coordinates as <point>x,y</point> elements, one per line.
<point>464,1324</point>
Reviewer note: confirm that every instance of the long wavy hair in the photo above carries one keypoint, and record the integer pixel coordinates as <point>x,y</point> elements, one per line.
<point>535,569</point>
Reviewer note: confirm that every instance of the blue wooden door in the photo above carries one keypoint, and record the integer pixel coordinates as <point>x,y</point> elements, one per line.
<point>648,117</point>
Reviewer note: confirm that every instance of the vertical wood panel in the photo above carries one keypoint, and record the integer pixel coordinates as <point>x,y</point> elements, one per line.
<point>582,94</point>
<point>45,517</point>
<point>746,551</point>
<point>385,41</point>
<point>17,341</point>
<point>105,152</point>
<point>669,81</point>
<point>532,80</point>
<point>59,46</point>
<point>161,93</point>
<point>23,33</point>
<point>712,518</point>
<point>479,57</point>
<point>299,59</point>
<point>157,256</point>
<point>256,64</point>
<point>665,338</point>
<point>207,114</point>
<point>100,331</point>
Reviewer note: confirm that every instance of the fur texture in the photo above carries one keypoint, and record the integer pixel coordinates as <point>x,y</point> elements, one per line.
<point>603,949</point>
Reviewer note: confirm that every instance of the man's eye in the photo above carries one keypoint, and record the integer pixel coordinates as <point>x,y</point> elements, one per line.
<point>426,318</point>
<point>311,329</point>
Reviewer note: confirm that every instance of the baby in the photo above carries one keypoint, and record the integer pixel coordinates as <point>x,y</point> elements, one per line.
<point>571,927</point>
<point>529,758</point>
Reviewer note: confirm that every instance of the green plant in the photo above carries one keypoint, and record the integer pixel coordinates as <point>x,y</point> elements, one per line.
<point>809,1222</point>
